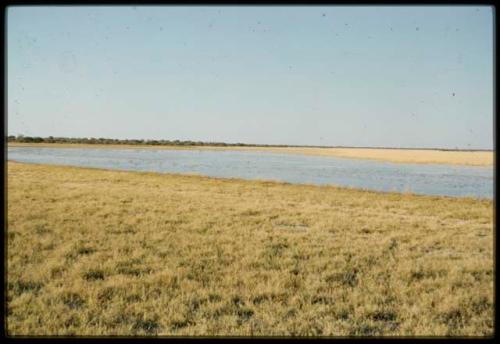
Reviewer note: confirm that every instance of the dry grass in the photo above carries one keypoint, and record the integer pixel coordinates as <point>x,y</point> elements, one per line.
<point>472,158</point>
<point>95,252</point>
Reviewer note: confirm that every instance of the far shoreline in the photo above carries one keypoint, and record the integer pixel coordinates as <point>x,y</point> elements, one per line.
<point>396,155</point>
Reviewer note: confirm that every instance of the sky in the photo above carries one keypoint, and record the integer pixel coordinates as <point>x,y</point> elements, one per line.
<point>416,77</point>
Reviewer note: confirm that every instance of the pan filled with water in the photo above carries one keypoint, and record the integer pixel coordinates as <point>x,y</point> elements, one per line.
<point>429,179</point>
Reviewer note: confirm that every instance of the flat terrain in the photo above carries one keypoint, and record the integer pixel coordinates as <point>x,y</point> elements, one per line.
<point>96,252</point>
<point>422,156</point>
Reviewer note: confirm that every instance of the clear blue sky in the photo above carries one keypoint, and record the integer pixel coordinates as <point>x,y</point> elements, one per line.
<point>354,76</point>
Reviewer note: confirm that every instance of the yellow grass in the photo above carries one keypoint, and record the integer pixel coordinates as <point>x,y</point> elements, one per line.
<point>422,156</point>
<point>96,252</point>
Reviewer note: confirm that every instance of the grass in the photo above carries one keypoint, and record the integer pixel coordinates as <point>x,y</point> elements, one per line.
<point>416,156</point>
<point>97,252</point>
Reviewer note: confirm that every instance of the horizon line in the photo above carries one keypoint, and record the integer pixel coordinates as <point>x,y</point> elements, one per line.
<point>177,142</point>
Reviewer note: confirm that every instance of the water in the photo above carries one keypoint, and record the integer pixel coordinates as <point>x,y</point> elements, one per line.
<point>447,180</point>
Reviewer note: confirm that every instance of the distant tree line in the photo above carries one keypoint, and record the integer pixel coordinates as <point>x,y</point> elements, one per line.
<point>102,140</point>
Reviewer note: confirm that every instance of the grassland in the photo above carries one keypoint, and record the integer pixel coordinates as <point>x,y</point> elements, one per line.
<point>416,156</point>
<point>96,252</point>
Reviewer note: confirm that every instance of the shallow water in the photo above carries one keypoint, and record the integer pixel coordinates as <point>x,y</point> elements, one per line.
<point>447,180</point>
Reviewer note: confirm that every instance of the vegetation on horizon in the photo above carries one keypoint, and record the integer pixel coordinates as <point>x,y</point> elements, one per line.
<point>102,140</point>
<point>108,141</point>
<point>97,252</point>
